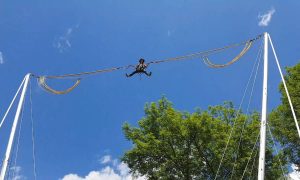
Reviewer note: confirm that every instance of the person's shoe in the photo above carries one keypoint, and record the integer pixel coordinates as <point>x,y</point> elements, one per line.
<point>127,75</point>
<point>150,73</point>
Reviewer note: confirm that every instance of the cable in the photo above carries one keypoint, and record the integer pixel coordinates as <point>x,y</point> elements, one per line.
<point>252,167</point>
<point>12,102</point>
<point>276,150</point>
<point>252,90</point>
<point>257,61</point>
<point>197,54</point>
<point>202,54</point>
<point>228,140</point>
<point>32,132</point>
<point>251,156</point>
<point>256,154</point>
<point>232,128</point>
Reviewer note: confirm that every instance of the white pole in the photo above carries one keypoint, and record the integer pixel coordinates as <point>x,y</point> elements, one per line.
<point>262,150</point>
<point>12,102</point>
<point>285,87</point>
<point>13,129</point>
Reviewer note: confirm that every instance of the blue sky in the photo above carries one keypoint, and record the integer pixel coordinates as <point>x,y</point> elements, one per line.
<point>73,132</point>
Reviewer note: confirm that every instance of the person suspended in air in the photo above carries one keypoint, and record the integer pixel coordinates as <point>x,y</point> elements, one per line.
<point>140,68</point>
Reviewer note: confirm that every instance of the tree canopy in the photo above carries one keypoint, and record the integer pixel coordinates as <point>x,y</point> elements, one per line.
<point>170,144</point>
<point>281,119</point>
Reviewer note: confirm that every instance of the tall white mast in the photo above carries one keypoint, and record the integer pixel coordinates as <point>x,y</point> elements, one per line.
<point>262,150</point>
<point>14,127</point>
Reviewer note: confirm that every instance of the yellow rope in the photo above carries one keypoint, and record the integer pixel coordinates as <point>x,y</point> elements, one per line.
<point>89,73</point>
<point>202,54</point>
<point>42,83</point>
<point>210,64</point>
<point>185,57</point>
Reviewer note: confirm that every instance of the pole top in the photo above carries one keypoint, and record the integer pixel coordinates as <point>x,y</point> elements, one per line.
<point>29,75</point>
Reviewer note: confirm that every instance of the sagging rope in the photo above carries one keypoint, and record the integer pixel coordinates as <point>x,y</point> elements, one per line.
<point>203,54</point>
<point>42,83</point>
<point>212,65</point>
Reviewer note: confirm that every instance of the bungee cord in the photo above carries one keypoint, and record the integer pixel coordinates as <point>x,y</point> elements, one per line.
<point>42,83</point>
<point>185,57</point>
<point>210,64</point>
<point>202,54</point>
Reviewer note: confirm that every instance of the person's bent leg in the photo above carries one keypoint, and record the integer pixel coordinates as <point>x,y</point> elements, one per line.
<point>148,74</point>
<point>134,72</point>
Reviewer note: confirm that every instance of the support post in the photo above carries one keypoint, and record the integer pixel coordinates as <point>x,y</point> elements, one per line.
<point>285,87</point>
<point>13,129</point>
<point>262,149</point>
<point>11,103</point>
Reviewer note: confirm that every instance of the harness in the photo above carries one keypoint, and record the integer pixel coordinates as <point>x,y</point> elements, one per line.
<point>141,67</point>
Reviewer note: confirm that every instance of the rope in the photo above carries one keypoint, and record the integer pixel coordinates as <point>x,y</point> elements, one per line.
<point>210,64</point>
<point>257,61</point>
<point>32,133</point>
<point>12,102</point>
<point>252,167</point>
<point>231,131</point>
<point>42,83</point>
<point>276,150</point>
<point>206,53</point>
<point>196,55</point>
<point>251,156</point>
<point>202,54</point>
<point>89,73</point>
<point>189,56</point>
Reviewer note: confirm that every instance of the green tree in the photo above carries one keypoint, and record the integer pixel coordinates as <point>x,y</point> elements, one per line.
<point>169,144</point>
<point>281,118</point>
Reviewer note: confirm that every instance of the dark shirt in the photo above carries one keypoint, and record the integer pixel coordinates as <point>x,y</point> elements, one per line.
<point>141,67</point>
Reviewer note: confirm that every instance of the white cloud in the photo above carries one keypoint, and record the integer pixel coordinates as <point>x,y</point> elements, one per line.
<point>1,58</point>
<point>294,175</point>
<point>116,171</point>
<point>265,19</point>
<point>123,169</point>
<point>107,173</point>
<point>105,159</point>
<point>72,177</point>
<point>63,43</point>
<point>15,172</point>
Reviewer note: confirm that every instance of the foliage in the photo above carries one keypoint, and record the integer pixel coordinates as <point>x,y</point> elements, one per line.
<point>281,118</point>
<point>169,144</point>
